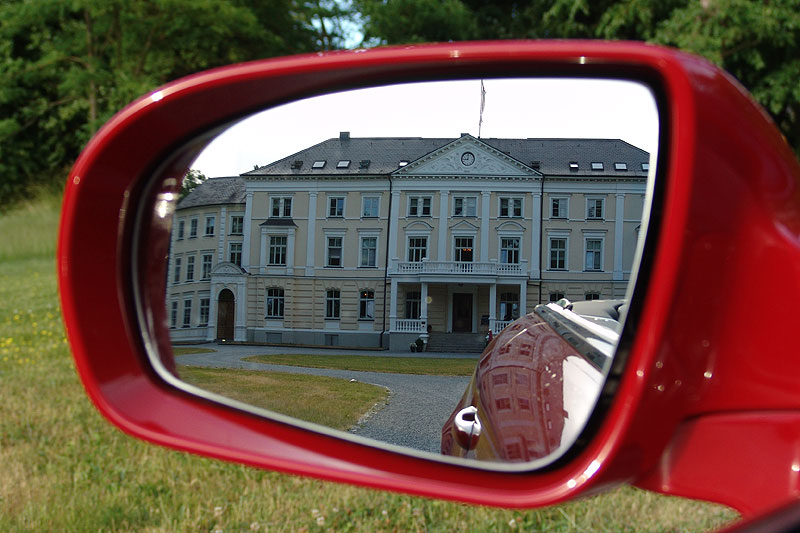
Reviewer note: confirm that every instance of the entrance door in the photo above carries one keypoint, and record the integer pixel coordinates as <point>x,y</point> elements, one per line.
<point>462,312</point>
<point>225,315</point>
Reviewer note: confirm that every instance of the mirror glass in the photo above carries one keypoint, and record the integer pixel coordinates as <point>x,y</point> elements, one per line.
<point>440,266</point>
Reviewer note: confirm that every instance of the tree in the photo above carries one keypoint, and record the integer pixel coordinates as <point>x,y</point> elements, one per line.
<point>191,180</point>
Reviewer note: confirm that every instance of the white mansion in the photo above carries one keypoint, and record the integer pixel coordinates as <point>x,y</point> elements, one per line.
<point>379,241</point>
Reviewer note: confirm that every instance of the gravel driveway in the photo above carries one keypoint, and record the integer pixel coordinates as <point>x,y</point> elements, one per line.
<point>417,407</point>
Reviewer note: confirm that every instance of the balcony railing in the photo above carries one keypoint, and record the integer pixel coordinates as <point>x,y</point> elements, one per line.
<point>462,268</point>
<point>408,325</point>
<point>499,325</point>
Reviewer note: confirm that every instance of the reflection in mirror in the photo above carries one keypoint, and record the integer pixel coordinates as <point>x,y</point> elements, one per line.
<point>440,266</point>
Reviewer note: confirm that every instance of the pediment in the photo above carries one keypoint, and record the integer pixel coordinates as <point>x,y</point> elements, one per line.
<point>464,225</point>
<point>227,268</point>
<point>510,225</point>
<point>418,225</point>
<point>467,156</point>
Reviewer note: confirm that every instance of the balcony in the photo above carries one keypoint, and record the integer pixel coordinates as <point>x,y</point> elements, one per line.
<point>408,325</point>
<point>492,268</point>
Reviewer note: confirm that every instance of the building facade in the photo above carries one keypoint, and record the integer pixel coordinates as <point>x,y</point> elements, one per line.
<point>379,241</point>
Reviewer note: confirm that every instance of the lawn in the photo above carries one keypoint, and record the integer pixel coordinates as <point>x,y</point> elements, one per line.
<point>439,366</point>
<point>64,468</point>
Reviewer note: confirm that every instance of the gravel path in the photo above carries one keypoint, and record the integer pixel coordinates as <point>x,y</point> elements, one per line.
<point>417,407</point>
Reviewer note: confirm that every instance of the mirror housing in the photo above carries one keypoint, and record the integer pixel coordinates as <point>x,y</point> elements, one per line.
<point>694,379</point>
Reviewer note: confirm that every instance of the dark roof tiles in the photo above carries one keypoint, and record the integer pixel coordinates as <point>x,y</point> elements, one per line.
<point>215,191</point>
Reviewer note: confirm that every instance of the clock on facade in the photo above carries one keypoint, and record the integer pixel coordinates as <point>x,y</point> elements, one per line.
<point>467,158</point>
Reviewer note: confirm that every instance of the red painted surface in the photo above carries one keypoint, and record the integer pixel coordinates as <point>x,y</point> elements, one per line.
<point>709,341</point>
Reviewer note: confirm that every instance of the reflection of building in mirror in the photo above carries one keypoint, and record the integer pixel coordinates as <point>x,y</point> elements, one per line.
<point>380,241</point>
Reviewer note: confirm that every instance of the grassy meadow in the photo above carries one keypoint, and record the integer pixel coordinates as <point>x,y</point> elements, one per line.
<point>440,366</point>
<point>64,468</point>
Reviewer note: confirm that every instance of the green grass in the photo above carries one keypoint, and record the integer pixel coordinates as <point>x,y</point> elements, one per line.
<point>440,366</point>
<point>64,468</point>
<point>176,350</point>
<point>310,395</point>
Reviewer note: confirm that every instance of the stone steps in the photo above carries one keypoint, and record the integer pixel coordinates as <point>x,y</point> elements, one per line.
<point>456,342</point>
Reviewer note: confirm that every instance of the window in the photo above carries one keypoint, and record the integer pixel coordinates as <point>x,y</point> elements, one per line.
<point>332,303</point>
<point>413,305</point>
<point>274,302</point>
<point>334,252</point>
<point>237,225</point>
<point>596,165</point>
<point>419,206</point>
<point>236,253</point>
<point>336,206</point>
<point>509,250</point>
<point>465,206</point>
<point>205,304</point>
<point>369,251</point>
<point>181,227</point>
<point>366,305</point>
<point>417,249</point>
<point>556,296</point>
<point>173,314</point>
<point>573,166</point>
<point>594,253</point>
<point>364,164</point>
<point>193,228</point>
<point>558,253</point>
<point>402,163</point>
<point>176,278</point>
<point>645,166</point>
<point>463,251</point>
<point>206,267</point>
<point>558,208</point>
<point>370,206</point>
<point>620,166</point>
<point>187,313</point>
<point>344,163</point>
<point>509,306</point>
<point>511,207</point>
<point>281,207</point>
<point>594,208</point>
<point>210,226</point>
<point>318,164</point>
<point>592,295</point>
<point>190,268</point>
<point>277,250</point>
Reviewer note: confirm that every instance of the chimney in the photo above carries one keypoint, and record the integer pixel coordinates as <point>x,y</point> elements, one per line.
<point>344,135</point>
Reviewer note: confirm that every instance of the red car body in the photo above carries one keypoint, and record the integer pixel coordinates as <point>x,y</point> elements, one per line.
<point>704,392</point>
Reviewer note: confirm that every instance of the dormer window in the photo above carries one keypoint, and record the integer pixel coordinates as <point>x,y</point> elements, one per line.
<point>620,166</point>
<point>344,163</point>
<point>364,164</point>
<point>597,165</point>
<point>645,166</point>
<point>297,164</point>
<point>402,163</point>
<point>573,166</point>
<point>318,164</point>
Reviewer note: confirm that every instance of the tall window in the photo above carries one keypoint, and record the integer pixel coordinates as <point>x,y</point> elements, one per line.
<point>193,228</point>
<point>206,267</point>
<point>181,226</point>
<point>558,254</point>
<point>277,250</point>
<point>333,303</point>
<point>334,252</point>
<point>274,302</point>
<point>205,304</point>
<point>464,249</point>
<point>190,268</point>
<point>366,305</point>
<point>465,206</point>
<point>173,314</point>
<point>336,207</point>
<point>419,206</point>
<point>594,208</point>
<point>511,207</point>
<point>187,313</point>
<point>417,249</point>
<point>556,296</point>
<point>594,252</point>
<point>176,278</point>
<point>235,255</point>
<point>237,225</point>
<point>509,250</point>
<point>592,296</point>
<point>509,306</point>
<point>413,305</point>
<point>369,251</point>
<point>558,208</point>
<point>210,225</point>
<point>281,206</point>
<point>370,206</point>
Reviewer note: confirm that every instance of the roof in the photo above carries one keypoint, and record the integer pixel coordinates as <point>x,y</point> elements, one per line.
<point>215,191</point>
<point>384,154</point>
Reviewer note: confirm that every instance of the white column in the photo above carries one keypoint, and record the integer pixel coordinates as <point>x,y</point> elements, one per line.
<point>423,312</point>
<point>212,312</point>
<point>311,237</point>
<point>441,253</point>
<point>492,306</point>
<point>248,221</point>
<point>394,218</point>
<point>536,220</point>
<point>290,252</point>
<point>263,259</point>
<point>223,219</point>
<point>240,333</point>
<point>485,207</point>
<point>393,306</point>
<point>619,220</point>
<point>523,298</point>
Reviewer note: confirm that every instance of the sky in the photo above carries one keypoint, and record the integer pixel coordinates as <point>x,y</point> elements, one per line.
<point>513,108</point>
